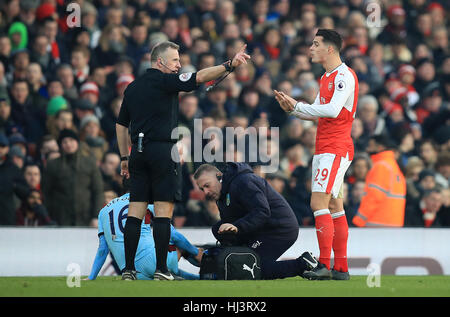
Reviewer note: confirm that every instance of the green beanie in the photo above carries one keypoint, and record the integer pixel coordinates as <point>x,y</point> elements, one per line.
<point>55,104</point>
<point>18,27</point>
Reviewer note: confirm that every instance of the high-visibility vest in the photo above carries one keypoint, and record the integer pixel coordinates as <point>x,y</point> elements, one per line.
<point>385,194</point>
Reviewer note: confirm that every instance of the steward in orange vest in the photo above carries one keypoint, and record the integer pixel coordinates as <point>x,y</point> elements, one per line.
<point>385,191</point>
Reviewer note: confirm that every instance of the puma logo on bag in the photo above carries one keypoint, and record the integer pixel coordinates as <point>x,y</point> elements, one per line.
<point>247,268</point>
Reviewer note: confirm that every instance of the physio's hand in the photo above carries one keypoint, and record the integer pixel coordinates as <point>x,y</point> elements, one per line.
<point>286,102</point>
<point>124,169</point>
<point>240,58</point>
<point>198,257</point>
<point>228,227</point>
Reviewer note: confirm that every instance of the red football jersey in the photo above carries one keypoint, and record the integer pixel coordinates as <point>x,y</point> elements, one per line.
<point>340,87</point>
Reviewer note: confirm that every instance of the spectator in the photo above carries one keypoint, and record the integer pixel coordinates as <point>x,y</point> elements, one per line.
<point>189,111</point>
<point>56,107</point>
<point>32,174</point>
<point>108,121</point>
<point>89,91</point>
<point>48,145</point>
<point>122,83</point>
<point>396,26</point>
<point>72,181</point>
<point>12,184</point>
<point>111,45</point>
<point>277,181</point>
<point>49,27</point>
<point>249,103</point>
<point>429,152</point>
<point>79,62</point>
<point>17,156</point>
<point>367,112</point>
<point>54,88</point>
<point>41,55</point>
<point>298,192</point>
<point>293,158</point>
<point>425,74</point>
<point>20,62</point>
<point>7,125</point>
<point>359,141</point>
<point>201,213</point>
<point>359,169</point>
<point>18,35</point>
<point>109,195</point>
<point>426,212</point>
<point>109,168</point>
<point>217,99</point>
<point>105,93</point>
<point>354,200</point>
<point>66,75</point>
<point>443,169</point>
<point>82,108</point>
<point>32,212</point>
<point>93,136</point>
<point>62,120</point>
<point>384,204</point>
<point>413,168</point>
<point>426,180</point>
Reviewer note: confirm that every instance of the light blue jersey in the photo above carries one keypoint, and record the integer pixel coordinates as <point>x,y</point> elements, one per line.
<point>111,223</point>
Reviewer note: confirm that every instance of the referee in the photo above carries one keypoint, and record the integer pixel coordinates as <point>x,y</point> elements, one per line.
<point>150,110</point>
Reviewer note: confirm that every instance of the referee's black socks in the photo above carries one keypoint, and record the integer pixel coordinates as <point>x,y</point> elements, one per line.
<point>131,235</point>
<point>161,235</point>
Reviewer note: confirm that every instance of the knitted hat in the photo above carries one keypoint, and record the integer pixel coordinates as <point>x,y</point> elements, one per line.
<point>66,133</point>
<point>406,69</point>
<point>89,87</point>
<point>45,10</point>
<point>124,80</point>
<point>18,27</point>
<point>55,104</point>
<point>87,119</point>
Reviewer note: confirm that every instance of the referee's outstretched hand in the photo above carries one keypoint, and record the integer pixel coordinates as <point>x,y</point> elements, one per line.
<point>241,57</point>
<point>124,169</point>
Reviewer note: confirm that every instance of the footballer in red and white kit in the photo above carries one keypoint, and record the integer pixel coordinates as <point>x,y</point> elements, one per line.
<point>334,108</point>
<point>335,105</point>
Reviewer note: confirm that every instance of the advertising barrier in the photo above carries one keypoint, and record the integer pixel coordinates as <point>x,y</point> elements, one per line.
<point>399,251</point>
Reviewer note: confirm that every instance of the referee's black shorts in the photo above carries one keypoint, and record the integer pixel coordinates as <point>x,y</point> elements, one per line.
<point>154,175</point>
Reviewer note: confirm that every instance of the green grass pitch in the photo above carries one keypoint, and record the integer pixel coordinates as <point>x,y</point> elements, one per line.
<point>398,286</point>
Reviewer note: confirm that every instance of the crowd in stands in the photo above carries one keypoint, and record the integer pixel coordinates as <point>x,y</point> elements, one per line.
<point>61,89</point>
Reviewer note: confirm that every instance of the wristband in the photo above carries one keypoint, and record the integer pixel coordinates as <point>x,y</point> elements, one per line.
<point>123,158</point>
<point>228,66</point>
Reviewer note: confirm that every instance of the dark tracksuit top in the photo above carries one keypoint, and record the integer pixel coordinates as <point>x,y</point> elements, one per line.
<point>265,221</point>
<point>254,207</point>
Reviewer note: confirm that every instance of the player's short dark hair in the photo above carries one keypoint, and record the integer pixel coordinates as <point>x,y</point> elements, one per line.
<point>161,48</point>
<point>331,37</point>
<point>204,168</point>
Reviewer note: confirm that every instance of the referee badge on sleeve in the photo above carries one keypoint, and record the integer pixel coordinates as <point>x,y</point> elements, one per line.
<point>185,76</point>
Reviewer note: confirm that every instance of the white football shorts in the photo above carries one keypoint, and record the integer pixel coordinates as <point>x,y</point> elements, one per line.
<point>328,171</point>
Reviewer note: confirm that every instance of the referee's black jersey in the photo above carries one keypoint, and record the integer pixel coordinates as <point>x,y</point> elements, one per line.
<point>150,104</point>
